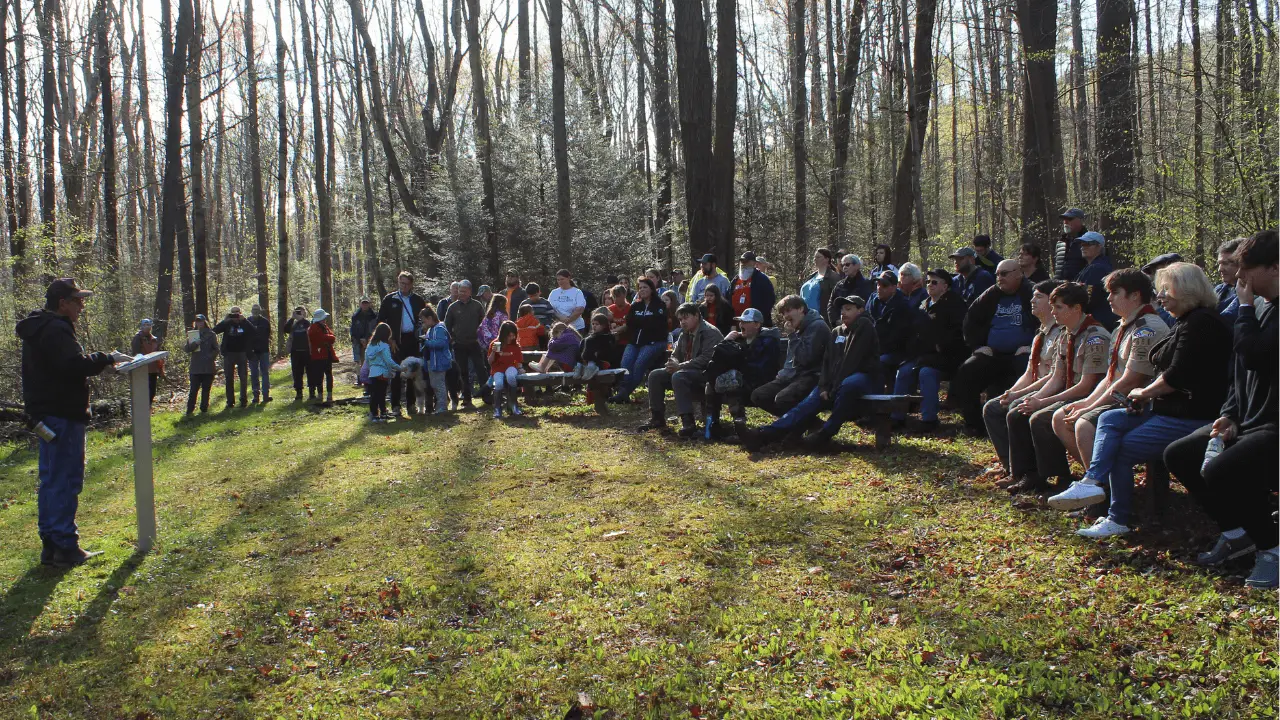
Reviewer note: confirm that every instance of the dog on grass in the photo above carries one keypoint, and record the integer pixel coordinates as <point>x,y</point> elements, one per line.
<point>414,369</point>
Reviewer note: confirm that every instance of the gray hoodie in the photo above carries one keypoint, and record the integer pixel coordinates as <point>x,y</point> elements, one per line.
<point>694,353</point>
<point>806,347</point>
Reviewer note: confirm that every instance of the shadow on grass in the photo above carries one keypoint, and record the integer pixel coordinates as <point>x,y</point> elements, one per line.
<point>24,602</point>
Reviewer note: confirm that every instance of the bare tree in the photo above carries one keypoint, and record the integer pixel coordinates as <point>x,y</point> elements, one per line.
<point>560,134</point>
<point>319,166</point>
<point>173,198</point>
<point>1115,124</point>
<point>484,139</point>
<point>693,79</point>
<point>255,156</point>
<point>1044,190</point>
<point>841,123</point>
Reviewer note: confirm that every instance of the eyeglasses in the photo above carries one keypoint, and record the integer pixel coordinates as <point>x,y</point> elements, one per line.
<point>935,282</point>
<point>847,264</point>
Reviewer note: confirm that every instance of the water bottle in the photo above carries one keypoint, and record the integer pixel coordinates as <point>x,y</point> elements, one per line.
<point>1212,451</point>
<point>707,428</point>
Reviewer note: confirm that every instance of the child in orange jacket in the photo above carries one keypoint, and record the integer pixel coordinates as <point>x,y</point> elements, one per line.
<point>505,358</point>
<point>323,356</point>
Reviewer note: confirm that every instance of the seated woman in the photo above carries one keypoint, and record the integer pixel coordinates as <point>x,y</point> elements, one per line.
<point>716,310</point>
<point>1191,364</point>
<point>646,326</point>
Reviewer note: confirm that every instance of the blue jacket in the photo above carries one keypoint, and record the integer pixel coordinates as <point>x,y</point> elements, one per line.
<point>969,288</point>
<point>436,345</point>
<point>381,364</point>
<point>763,358</point>
<point>1093,275</point>
<point>895,324</point>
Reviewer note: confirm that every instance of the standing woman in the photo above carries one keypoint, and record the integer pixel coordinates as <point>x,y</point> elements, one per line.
<point>203,346</point>
<point>493,319</point>
<point>647,327</point>
<point>715,309</point>
<point>816,290</point>
<point>884,261</point>
<point>144,343</point>
<point>299,348</point>
<point>322,356</point>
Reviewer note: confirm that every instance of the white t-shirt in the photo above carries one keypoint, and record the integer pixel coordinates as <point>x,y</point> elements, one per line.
<point>566,301</point>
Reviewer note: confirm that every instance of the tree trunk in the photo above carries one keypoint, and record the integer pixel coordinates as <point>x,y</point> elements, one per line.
<point>906,195</point>
<point>282,184</point>
<point>1116,110</point>
<point>841,123</point>
<point>23,171</point>
<point>694,86</point>
<point>319,165</point>
<point>1044,190</point>
<point>372,259</point>
<point>722,160</point>
<point>173,201</point>
<point>484,139</point>
<point>662,132</point>
<point>49,95</point>
<point>560,135</point>
<point>16,245</point>
<point>799,116</point>
<point>153,202</point>
<point>522,54</point>
<point>195,129</point>
<point>110,218</point>
<point>1079,88</point>
<point>255,158</point>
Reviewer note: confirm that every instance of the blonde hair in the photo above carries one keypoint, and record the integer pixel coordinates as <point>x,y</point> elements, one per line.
<point>560,328</point>
<point>1188,284</point>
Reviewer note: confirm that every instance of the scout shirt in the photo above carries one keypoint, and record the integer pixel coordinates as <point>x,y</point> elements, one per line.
<point>1132,348</point>
<point>1088,350</point>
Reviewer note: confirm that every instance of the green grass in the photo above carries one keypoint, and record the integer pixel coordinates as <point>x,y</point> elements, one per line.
<point>311,565</point>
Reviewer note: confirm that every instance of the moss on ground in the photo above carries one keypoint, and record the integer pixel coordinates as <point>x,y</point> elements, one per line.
<point>313,565</point>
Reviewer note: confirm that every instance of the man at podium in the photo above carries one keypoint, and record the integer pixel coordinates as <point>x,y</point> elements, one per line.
<point>55,393</point>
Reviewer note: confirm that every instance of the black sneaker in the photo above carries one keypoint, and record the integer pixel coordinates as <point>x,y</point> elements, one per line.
<point>63,557</point>
<point>47,549</point>
<point>1226,549</point>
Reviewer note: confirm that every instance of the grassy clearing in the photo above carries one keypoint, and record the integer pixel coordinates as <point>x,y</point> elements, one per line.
<point>311,565</point>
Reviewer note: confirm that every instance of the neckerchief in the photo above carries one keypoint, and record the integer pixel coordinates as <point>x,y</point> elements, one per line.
<point>1071,345</point>
<point>1037,349</point>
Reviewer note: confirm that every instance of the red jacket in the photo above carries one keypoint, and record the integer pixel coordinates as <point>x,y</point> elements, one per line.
<point>322,340</point>
<point>505,356</point>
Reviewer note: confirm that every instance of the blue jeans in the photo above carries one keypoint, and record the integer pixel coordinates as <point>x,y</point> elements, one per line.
<point>1123,440</point>
<point>260,373</point>
<point>636,360</point>
<point>61,479</point>
<point>844,405</point>
<point>357,351</point>
<point>930,382</point>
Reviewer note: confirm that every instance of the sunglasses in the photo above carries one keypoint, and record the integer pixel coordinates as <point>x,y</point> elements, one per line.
<point>1002,273</point>
<point>848,264</point>
<point>936,282</point>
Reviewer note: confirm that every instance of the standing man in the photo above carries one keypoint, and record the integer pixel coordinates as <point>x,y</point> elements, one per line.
<point>1093,248</point>
<point>1067,261</point>
<point>853,284</point>
<point>970,280</point>
<point>463,321</point>
<point>260,354</point>
<point>568,301</point>
<point>55,395</point>
<point>400,311</point>
<point>987,258</point>
<point>237,340</point>
<point>752,289</point>
<point>362,324</point>
<point>442,307</point>
<point>708,274</point>
<point>514,292</point>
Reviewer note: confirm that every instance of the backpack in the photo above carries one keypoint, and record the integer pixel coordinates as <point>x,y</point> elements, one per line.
<point>726,356</point>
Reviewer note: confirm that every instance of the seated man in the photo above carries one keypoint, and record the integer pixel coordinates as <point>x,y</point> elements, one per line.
<point>940,340</point>
<point>1097,267</point>
<point>683,372</point>
<point>999,326</point>
<point>1129,292</point>
<point>1234,486</point>
<point>1083,353</point>
<point>895,322</point>
<point>1044,352</point>
<point>850,369</point>
<point>970,280</point>
<point>799,373</point>
<point>757,357</point>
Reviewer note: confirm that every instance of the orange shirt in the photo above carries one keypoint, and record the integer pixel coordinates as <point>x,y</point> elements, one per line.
<point>505,356</point>
<point>620,315</point>
<point>528,331</point>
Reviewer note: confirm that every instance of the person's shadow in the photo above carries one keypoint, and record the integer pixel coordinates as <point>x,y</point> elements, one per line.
<point>24,602</point>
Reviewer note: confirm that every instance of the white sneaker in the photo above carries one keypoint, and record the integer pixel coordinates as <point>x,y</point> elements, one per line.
<point>1081,494</point>
<point>1105,527</point>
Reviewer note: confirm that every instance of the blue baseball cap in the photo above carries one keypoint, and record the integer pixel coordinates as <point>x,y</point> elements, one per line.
<point>751,315</point>
<point>1092,237</point>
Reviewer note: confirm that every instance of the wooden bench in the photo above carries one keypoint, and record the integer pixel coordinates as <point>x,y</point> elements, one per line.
<point>881,409</point>
<point>600,386</point>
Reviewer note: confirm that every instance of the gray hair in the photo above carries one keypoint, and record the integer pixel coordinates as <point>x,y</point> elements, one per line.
<point>1230,246</point>
<point>464,284</point>
<point>851,259</point>
<point>910,270</point>
<point>455,285</point>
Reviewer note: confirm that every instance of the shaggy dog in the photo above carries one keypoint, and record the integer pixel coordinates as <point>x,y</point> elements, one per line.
<point>415,371</point>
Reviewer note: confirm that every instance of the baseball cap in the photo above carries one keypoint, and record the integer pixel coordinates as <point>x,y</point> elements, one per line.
<point>202,317</point>
<point>64,288</point>
<point>708,258</point>
<point>888,277</point>
<point>963,252</point>
<point>1074,214</point>
<point>750,315</point>
<point>854,300</point>
<point>483,289</point>
<point>1093,237</point>
<point>234,311</point>
<point>747,256</point>
<point>942,275</point>
<point>1160,261</point>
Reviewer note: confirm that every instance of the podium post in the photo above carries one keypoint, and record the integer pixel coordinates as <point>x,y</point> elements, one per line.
<point>144,494</point>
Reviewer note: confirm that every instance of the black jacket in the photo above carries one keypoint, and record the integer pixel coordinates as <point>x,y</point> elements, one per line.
<point>862,286</point>
<point>895,324</point>
<point>362,324</point>
<point>1194,358</point>
<point>1067,260</point>
<point>852,349</point>
<point>261,341</point>
<point>941,337</point>
<point>55,368</point>
<point>724,315</point>
<point>390,312</point>
<point>1252,400</point>
<point>977,322</point>
<point>236,337</point>
<point>647,324</point>
<point>598,348</point>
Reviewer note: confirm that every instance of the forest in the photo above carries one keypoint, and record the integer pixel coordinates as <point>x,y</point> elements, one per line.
<point>182,156</point>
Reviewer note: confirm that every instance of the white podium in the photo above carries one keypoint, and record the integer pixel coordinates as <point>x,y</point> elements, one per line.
<point>144,491</point>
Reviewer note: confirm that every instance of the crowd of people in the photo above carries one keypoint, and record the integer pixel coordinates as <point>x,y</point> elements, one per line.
<point>1092,367</point>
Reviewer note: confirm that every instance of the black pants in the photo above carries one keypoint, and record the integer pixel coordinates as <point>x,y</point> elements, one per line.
<point>778,396</point>
<point>473,369</point>
<point>320,372</point>
<point>152,379</point>
<point>1235,489</point>
<point>378,396</point>
<point>398,383</point>
<point>992,374</point>
<point>298,362</point>
<point>199,384</point>
<point>737,400</point>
